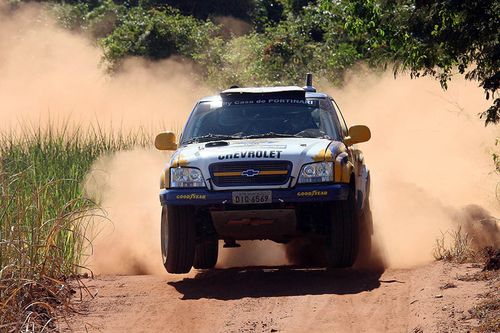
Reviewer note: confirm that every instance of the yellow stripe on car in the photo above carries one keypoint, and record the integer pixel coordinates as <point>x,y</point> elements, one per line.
<point>338,172</point>
<point>180,161</point>
<point>165,177</point>
<point>261,173</point>
<point>226,174</point>
<point>273,172</point>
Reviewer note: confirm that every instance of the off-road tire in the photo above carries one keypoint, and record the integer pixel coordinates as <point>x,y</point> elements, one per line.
<point>206,253</point>
<point>178,238</point>
<point>344,233</point>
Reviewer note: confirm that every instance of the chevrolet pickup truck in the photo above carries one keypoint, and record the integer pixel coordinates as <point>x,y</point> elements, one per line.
<point>274,163</point>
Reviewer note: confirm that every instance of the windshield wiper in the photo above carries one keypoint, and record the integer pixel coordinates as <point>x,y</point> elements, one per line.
<point>271,135</point>
<point>212,137</point>
<point>282,135</point>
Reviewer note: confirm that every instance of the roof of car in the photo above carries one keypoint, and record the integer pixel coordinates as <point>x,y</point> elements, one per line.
<point>263,90</point>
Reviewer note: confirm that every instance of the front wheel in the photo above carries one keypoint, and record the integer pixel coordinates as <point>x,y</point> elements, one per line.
<point>178,238</point>
<point>344,233</point>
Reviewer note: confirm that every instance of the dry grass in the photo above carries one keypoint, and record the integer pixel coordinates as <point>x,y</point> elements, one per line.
<point>44,217</point>
<point>37,254</point>
<point>454,246</point>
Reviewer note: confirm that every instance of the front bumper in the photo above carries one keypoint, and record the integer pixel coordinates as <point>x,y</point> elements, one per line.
<point>300,193</point>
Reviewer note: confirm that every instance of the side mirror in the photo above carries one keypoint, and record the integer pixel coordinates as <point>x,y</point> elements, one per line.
<point>358,134</point>
<point>165,141</point>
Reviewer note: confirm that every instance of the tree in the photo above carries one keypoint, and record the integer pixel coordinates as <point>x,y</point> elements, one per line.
<point>463,35</point>
<point>425,37</point>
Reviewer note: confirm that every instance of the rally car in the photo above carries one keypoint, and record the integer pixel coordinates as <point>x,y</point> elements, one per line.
<point>275,163</point>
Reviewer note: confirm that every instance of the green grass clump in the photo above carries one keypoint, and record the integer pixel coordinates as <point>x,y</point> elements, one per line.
<point>43,217</point>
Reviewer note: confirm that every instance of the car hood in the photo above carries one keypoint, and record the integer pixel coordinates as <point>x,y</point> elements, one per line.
<point>299,151</point>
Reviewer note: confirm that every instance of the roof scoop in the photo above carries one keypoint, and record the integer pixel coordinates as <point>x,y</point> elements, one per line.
<point>309,83</point>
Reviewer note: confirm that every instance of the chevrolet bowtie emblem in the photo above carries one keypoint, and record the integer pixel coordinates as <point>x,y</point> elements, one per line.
<point>250,173</point>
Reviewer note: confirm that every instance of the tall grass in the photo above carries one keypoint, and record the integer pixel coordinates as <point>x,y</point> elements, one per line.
<point>44,215</point>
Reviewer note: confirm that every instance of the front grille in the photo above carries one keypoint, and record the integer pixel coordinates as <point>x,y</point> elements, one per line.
<point>250,173</point>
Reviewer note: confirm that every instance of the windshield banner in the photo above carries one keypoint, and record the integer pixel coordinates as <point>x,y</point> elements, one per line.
<point>274,101</point>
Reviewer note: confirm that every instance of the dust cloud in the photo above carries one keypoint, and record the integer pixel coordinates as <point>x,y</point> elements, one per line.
<point>480,226</point>
<point>429,156</point>
<point>127,240</point>
<point>52,75</point>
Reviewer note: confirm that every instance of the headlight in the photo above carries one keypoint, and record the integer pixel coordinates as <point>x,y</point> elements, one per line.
<point>316,173</point>
<point>186,177</point>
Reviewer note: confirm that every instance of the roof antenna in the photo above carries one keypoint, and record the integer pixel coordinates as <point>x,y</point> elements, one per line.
<point>309,83</point>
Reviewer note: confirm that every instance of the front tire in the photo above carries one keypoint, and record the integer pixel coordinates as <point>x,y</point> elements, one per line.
<point>344,233</point>
<point>178,238</point>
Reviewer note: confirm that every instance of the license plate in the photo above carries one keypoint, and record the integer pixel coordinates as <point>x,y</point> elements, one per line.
<point>253,197</point>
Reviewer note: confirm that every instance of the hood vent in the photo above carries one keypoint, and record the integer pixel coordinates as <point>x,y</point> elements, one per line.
<point>217,144</point>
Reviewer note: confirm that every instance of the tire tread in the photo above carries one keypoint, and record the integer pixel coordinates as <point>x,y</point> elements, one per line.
<point>180,249</point>
<point>344,233</point>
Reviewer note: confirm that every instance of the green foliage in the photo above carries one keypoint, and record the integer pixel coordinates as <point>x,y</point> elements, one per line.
<point>154,32</point>
<point>99,18</point>
<point>463,35</point>
<point>296,6</point>
<point>267,13</point>
<point>425,37</point>
<point>71,17</point>
<point>157,34</point>
<point>204,9</point>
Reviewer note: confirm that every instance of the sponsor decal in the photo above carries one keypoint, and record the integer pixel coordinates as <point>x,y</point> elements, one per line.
<point>271,101</point>
<point>192,196</point>
<point>252,154</point>
<point>314,193</point>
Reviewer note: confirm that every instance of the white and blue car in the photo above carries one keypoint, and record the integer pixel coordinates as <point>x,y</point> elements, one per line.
<point>275,163</point>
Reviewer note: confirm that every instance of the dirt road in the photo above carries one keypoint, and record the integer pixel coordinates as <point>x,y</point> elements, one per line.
<point>283,299</point>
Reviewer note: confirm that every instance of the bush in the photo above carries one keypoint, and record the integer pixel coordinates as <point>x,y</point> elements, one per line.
<point>157,34</point>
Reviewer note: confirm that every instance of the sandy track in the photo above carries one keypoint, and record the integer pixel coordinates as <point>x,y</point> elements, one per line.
<point>260,299</point>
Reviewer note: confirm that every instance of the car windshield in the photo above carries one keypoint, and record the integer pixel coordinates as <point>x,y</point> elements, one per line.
<point>215,120</point>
